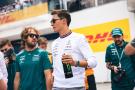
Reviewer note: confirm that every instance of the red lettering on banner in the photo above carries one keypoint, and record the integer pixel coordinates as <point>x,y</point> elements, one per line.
<point>6,19</point>
<point>110,37</point>
<point>99,37</point>
<point>90,38</point>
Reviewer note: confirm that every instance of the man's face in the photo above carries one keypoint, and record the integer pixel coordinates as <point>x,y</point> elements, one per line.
<point>57,23</point>
<point>43,45</point>
<point>5,48</point>
<point>118,39</point>
<point>32,39</point>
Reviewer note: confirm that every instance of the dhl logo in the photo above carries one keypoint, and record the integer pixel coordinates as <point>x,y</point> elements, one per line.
<point>6,19</point>
<point>99,36</point>
<point>106,36</point>
<point>102,37</point>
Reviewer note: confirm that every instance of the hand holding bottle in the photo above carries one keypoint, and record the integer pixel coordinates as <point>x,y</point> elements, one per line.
<point>68,59</point>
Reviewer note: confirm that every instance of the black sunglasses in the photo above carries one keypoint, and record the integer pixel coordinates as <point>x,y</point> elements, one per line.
<point>3,50</point>
<point>54,20</point>
<point>33,35</point>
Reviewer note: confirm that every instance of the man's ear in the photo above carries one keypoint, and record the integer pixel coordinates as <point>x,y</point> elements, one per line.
<point>64,20</point>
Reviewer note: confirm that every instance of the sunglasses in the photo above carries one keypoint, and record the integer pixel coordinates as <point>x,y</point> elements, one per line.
<point>54,20</point>
<point>33,35</point>
<point>3,50</point>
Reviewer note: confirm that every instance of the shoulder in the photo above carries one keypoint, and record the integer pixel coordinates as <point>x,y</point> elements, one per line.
<point>1,54</point>
<point>39,50</point>
<point>110,46</point>
<point>126,42</point>
<point>77,36</point>
<point>55,41</point>
<point>20,53</point>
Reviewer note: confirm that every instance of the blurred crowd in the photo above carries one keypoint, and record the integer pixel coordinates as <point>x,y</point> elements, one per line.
<point>15,6</point>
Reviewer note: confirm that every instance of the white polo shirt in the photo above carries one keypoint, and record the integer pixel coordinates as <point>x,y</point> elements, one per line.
<point>80,50</point>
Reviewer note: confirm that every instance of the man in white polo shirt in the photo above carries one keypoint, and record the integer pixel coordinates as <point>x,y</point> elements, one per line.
<point>3,73</point>
<point>71,54</point>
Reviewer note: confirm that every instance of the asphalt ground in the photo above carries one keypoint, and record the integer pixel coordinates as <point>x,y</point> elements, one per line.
<point>104,86</point>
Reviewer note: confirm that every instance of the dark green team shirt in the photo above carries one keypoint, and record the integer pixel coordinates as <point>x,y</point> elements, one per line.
<point>31,66</point>
<point>126,64</point>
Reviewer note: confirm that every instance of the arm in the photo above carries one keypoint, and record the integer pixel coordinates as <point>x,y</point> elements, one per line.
<point>17,81</point>
<point>3,73</point>
<point>112,67</point>
<point>2,85</point>
<point>3,68</point>
<point>108,61</point>
<point>2,82</point>
<point>85,49</point>
<point>68,59</point>
<point>48,77</point>
<point>47,70</point>
<point>85,52</point>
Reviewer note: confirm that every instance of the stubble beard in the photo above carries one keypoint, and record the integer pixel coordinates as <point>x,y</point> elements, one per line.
<point>119,43</point>
<point>30,45</point>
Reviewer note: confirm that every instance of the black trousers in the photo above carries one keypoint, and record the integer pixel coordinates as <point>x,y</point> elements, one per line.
<point>91,82</point>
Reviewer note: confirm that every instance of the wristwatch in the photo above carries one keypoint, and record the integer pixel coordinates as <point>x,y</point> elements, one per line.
<point>77,64</point>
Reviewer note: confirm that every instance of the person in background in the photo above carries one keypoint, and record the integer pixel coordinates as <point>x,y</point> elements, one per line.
<point>90,79</point>
<point>130,48</point>
<point>3,73</point>
<point>42,43</point>
<point>22,45</point>
<point>9,56</point>
<point>122,72</point>
<point>71,54</point>
<point>32,64</point>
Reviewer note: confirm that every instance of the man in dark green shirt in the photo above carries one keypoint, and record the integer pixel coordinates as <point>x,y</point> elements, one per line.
<point>122,72</point>
<point>130,50</point>
<point>33,68</point>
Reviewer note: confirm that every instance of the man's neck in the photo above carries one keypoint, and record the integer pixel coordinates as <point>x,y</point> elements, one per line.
<point>64,32</point>
<point>30,49</point>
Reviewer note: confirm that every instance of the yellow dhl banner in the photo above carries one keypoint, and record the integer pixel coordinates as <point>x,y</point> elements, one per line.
<point>25,13</point>
<point>99,36</point>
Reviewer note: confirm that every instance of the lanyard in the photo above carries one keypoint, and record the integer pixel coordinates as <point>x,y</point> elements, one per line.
<point>119,56</point>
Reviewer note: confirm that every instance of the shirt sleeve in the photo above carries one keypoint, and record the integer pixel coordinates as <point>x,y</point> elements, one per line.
<point>46,61</point>
<point>133,42</point>
<point>87,52</point>
<point>17,65</point>
<point>1,75</point>
<point>107,55</point>
<point>3,69</point>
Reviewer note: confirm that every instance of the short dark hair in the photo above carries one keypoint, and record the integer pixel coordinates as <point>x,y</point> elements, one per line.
<point>62,14</point>
<point>26,31</point>
<point>5,42</point>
